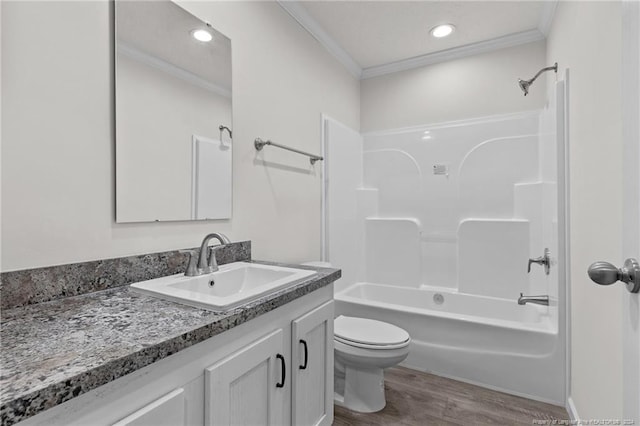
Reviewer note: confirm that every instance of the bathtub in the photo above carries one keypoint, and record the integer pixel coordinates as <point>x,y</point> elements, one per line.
<point>488,341</point>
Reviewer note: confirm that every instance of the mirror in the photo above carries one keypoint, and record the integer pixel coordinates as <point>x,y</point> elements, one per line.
<point>173,115</point>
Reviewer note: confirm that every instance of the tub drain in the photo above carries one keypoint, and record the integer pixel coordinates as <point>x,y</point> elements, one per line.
<point>438,299</point>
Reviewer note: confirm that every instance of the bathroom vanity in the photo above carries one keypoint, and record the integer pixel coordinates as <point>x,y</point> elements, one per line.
<point>143,360</point>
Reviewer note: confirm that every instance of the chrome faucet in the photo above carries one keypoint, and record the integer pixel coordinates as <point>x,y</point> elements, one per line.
<point>538,300</point>
<point>207,262</point>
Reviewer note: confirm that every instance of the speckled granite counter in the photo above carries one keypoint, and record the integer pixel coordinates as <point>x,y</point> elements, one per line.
<point>55,351</point>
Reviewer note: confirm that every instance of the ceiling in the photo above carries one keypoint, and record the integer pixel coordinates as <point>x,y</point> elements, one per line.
<point>368,36</point>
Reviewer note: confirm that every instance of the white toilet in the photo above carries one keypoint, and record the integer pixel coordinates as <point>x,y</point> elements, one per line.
<point>363,348</point>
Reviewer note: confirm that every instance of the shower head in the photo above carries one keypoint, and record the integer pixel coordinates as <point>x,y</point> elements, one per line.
<point>525,84</point>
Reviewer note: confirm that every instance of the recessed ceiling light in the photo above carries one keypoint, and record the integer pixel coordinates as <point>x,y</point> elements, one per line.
<point>202,35</point>
<point>442,30</point>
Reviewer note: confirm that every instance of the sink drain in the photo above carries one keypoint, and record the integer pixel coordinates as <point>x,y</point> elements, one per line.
<point>438,299</point>
<point>212,283</point>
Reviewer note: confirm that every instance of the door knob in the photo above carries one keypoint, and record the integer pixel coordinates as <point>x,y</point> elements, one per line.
<point>604,273</point>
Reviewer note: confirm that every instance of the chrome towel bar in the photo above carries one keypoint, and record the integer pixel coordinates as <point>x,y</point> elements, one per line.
<point>259,144</point>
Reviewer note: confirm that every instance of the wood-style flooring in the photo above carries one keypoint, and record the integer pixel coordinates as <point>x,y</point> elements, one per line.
<point>416,398</point>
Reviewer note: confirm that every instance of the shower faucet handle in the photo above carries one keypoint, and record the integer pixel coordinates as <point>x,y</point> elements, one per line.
<point>543,260</point>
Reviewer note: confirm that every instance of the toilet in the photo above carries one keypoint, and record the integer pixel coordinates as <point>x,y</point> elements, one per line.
<point>363,348</point>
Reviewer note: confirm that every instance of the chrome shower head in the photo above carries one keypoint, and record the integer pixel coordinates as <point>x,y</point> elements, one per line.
<point>525,84</point>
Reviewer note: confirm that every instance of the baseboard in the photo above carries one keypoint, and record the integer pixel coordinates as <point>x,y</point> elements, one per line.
<point>571,409</point>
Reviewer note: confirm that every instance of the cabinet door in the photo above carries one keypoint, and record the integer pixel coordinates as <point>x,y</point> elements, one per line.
<point>168,411</point>
<point>247,387</point>
<point>312,367</point>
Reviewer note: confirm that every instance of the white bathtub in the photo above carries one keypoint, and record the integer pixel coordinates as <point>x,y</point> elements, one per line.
<point>489,341</point>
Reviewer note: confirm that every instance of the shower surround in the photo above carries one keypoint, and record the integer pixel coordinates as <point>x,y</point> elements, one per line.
<point>433,227</point>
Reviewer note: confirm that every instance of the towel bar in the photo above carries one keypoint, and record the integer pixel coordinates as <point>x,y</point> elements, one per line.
<point>259,144</point>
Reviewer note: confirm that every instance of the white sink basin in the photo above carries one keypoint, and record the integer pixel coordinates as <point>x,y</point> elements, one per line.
<point>233,285</point>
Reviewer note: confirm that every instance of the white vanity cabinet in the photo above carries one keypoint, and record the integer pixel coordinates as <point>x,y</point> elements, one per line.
<point>165,411</point>
<point>258,385</point>
<point>250,374</point>
<point>311,359</point>
<point>247,387</point>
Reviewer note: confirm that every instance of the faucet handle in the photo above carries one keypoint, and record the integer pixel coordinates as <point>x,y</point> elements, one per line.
<point>539,260</point>
<point>544,260</point>
<point>213,262</point>
<point>192,268</point>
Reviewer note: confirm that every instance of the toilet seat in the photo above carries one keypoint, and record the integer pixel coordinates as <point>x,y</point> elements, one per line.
<point>369,334</point>
<point>372,347</point>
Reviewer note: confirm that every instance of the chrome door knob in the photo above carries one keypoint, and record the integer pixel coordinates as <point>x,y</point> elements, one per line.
<point>604,273</point>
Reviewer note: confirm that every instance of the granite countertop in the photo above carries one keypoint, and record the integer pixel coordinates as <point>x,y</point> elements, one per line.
<point>55,351</point>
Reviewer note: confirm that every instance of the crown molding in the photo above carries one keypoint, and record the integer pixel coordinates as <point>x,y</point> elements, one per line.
<point>173,70</point>
<point>454,53</point>
<point>300,14</point>
<point>547,15</point>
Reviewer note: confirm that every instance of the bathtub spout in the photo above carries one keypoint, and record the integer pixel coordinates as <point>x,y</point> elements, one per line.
<point>539,300</point>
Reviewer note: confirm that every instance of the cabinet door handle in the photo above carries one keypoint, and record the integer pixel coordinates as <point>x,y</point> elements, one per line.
<point>284,371</point>
<point>306,355</point>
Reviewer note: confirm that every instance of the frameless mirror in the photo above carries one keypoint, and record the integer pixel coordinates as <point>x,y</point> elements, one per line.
<point>173,115</point>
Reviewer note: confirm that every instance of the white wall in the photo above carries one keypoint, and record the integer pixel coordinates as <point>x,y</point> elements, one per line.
<point>475,86</point>
<point>58,136</point>
<point>1,97</point>
<point>585,37</point>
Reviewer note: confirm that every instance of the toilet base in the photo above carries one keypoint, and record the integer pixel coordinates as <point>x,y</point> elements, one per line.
<point>363,390</point>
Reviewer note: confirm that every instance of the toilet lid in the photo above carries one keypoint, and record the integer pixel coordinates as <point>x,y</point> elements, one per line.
<point>368,331</point>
